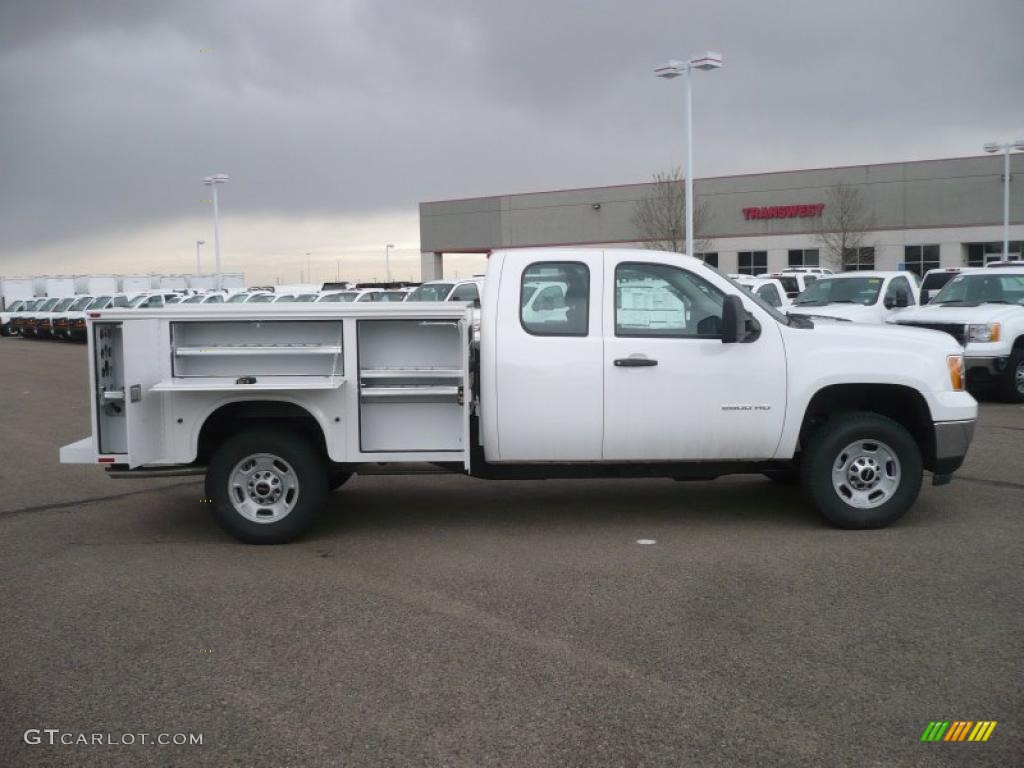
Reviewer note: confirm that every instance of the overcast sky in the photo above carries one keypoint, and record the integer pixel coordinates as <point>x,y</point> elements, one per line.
<point>335,119</point>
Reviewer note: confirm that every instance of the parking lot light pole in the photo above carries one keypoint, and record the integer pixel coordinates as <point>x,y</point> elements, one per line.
<point>199,270</point>
<point>387,260</point>
<point>212,182</point>
<point>993,147</point>
<point>705,62</point>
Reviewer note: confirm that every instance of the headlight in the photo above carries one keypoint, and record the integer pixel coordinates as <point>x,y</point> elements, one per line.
<point>983,332</point>
<point>955,363</point>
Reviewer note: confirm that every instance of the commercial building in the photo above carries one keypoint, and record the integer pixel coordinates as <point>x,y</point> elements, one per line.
<point>924,214</point>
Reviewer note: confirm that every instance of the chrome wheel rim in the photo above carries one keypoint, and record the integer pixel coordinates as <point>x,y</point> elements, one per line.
<point>866,474</point>
<point>1018,377</point>
<point>263,488</point>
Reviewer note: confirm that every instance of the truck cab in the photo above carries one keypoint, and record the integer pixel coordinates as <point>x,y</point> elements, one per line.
<point>651,365</point>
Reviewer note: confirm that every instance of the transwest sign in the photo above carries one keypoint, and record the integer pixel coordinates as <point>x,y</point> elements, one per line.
<point>784,211</point>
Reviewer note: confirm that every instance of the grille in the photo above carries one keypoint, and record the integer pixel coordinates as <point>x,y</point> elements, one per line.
<point>956,330</point>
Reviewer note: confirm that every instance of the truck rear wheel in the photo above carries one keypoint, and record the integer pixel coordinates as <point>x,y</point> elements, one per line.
<point>1011,388</point>
<point>862,470</point>
<point>266,485</point>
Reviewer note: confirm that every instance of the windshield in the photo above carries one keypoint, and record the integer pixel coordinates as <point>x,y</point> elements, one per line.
<point>99,302</point>
<point>841,290</point>
<point>81,303</point>
<point>983,289</point>
<point>306,297</point>
<point>16,306</point>
<point>261,298</point>
<point>238,298</point>
<point>136,301</point>
<point>286,299</point>
<point>64,304</point>
<point>346,296</point>
<point>431,292</point>
<point>197,299</point>
<point>48,305</point>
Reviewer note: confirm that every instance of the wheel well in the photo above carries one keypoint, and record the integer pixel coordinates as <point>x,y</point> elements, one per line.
<point>904,405</point>
<point>234,417</point>
<point>1019,343</point>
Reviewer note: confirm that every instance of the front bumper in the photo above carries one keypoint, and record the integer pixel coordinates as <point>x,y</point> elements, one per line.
<point>952,439</point>
<point>994,365</point>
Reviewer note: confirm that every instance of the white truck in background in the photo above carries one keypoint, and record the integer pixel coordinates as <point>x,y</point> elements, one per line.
<point>14,289</point>
<point>684,375</point>
<point>983,309</point>
<point>96,285</point>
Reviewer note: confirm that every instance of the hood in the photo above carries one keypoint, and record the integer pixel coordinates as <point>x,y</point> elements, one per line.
<point>938,342</point>
<point>937,313</point>
<point>858,313</point>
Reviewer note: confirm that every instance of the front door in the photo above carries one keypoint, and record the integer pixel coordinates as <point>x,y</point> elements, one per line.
<point>673,390</point>
<point>550,362</point>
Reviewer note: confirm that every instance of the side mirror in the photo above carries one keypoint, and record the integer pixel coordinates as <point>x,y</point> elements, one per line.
<point>476,303</point>
<point>734,320</point>
<point>902,300</point>
<point>889,302</point>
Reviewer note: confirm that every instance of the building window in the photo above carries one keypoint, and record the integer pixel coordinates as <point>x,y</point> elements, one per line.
<point>803,257</point>
<point>753,262</point>
<point>859,259</point>
<point>555,299</point>
<point>980,254</point>
<point>921,258</point>
<point>711,259</point>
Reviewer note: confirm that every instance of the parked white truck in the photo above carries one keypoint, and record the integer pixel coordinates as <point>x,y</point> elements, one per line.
<point>983,309</point>
<point>278,404</point>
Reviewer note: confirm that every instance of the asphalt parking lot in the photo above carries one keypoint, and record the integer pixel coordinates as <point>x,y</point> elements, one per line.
<point>439,620</point>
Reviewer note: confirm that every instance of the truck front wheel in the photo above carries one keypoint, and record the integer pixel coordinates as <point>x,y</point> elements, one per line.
<point>1012,385</point>
<point>862,470</point>
<point>266,485</point>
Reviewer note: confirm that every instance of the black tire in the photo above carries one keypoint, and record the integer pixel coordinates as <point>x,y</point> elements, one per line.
<point>337,479</point>
<point>298,454</point>
<point>826,448</point>
<point>5,330</point>
<point>1011,385</point>
<point>788,476</point>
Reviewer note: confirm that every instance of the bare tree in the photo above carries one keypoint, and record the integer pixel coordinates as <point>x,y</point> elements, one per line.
<point>658,217</point>
<point>844,226</point>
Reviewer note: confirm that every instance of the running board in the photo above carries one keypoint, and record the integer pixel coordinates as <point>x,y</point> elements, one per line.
<point>145,473</point>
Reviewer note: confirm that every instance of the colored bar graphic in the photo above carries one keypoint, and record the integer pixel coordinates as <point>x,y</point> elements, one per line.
<point>982,730</point>
<point>935,730</point>
<point>958,730</point>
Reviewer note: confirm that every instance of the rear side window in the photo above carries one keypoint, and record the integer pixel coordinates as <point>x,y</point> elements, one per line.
<point>564,310</point>
<point>465,292</point>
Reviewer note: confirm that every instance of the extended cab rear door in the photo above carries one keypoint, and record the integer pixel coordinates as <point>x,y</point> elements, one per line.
<point>673,390</point>
<point>549,369</point>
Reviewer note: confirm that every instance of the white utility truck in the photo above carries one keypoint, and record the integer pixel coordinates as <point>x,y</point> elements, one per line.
<point>658,367</point>
<point>983,309</point>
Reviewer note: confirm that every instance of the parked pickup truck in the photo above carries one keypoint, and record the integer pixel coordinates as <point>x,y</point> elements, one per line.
<point>658,367</point>
<point>862,297</point>
<point>983,309</point>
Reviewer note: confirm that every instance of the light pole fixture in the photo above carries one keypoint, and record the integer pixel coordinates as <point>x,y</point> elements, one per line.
<point>387,259</point>
<point>212,182</point>
<point>705,62</point>
<point>199,271</point>
<point>992,147</point>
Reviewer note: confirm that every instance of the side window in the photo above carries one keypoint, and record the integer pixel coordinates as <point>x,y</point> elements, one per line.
<point>465,292</point>
<point>897,287</point>
<point>770,294</point>
<point>554,299</point>
<point>661,300</point>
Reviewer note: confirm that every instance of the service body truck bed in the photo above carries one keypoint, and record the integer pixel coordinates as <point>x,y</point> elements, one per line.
<point>653,364</point>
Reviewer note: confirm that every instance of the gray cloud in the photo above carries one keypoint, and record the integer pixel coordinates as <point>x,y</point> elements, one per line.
<point>112,113</point>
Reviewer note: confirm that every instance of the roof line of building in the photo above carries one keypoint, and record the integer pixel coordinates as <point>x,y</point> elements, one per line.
<point>583,243</point>
<point>705,178</point>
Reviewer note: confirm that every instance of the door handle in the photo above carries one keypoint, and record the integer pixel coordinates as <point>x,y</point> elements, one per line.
<point>634,362</point>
